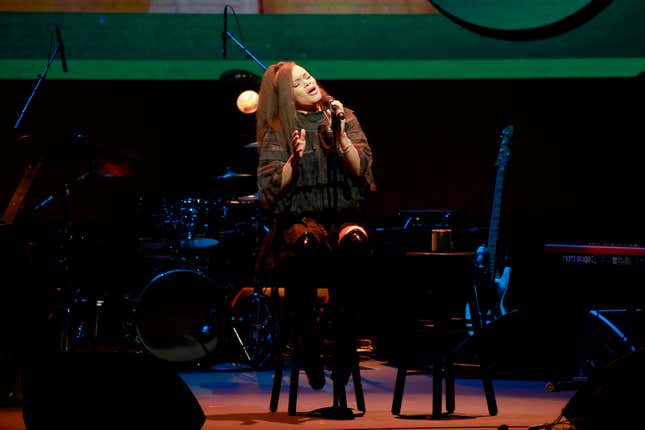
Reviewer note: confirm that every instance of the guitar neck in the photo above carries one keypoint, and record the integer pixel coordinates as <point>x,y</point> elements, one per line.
<point>493,229</point>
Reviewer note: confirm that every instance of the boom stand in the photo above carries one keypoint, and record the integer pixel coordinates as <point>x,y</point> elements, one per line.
<point>41,78</point>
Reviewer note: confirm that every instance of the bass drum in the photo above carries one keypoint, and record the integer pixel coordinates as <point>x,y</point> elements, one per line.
<point>176,316</point>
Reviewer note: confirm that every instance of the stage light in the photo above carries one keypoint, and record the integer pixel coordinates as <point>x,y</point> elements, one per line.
<point>247,83</point>
<point>247,101</point>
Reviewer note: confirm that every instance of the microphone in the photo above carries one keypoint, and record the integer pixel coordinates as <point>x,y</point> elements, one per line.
<point>335,112</point>
<point>61,49</point>
<point>224,33</point>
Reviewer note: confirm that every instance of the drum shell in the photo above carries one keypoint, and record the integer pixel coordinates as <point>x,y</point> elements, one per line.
<point>177,316</point>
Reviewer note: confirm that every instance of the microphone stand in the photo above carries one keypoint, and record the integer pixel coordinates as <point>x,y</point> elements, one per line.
<point>228,35</point>
<point>41,77</point>
<point>31,171</point>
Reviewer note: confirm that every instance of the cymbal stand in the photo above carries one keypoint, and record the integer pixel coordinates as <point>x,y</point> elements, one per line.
<point>261,321</point>
<point>66,296</point>
<point>245,349</point>
<point>260,329</point>
<point>69,299</point>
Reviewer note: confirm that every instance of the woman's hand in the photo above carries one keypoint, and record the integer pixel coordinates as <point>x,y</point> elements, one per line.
<point>298,139</point>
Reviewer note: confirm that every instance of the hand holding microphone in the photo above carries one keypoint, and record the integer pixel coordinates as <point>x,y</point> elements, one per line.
<point>337,109</point>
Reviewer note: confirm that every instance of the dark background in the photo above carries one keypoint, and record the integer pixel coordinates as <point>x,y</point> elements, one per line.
<point>435,142</point>
<point>574,173</point>
<point>574,166</point>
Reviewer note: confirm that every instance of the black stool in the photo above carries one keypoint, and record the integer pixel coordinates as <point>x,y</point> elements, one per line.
<point>339,408</point>
<point>447,285</point>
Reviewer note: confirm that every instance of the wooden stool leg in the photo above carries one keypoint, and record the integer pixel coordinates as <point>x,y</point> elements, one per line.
<point>293,382</point>
<point>277,383</point>
<point>278,354</point>
<point>450,388</point>
<point>358,387</point>
<point>438,369</point>
<point>399,386</point>
<point>490,394</point>
<point>437,381</point>
<point>340,396</point>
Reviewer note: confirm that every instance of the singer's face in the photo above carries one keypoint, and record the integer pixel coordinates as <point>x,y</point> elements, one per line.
<point>306,93</point>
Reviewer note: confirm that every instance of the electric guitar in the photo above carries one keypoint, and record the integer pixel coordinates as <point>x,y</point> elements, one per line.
<point>492,287</point>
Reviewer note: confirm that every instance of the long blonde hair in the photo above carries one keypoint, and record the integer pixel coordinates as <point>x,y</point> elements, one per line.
<point>276,107</point>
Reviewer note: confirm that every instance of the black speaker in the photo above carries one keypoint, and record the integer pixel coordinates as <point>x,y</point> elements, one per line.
<point>613,397</point>
<point>86,390</point>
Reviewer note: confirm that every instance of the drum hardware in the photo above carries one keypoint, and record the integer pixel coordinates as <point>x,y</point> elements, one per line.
<point>245,349</point>
<point>254,325</point>
<point>61,252</point>
<point>79,320</point>
<point>72,325</point>
<point>83,326</point>
<point>256,315</point>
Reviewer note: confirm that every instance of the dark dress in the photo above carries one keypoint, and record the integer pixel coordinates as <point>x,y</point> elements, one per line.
<point>323,194</point>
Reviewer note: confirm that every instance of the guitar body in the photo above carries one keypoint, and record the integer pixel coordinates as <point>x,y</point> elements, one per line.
<point>491,296</point>
<point>501,288</point>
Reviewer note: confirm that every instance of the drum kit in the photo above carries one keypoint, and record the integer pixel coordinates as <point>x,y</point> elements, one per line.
<point>187,311</point>
<point>197,251</point>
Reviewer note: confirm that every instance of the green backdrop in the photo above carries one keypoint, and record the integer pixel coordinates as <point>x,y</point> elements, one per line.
<point>187,47</point>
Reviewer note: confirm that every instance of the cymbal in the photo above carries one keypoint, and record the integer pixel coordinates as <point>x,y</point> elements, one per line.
<point>252,145</point>
<point>251,198</point>
<point>232,175</point>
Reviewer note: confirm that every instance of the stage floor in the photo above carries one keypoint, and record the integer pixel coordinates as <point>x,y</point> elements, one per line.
<point>232,396</point>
